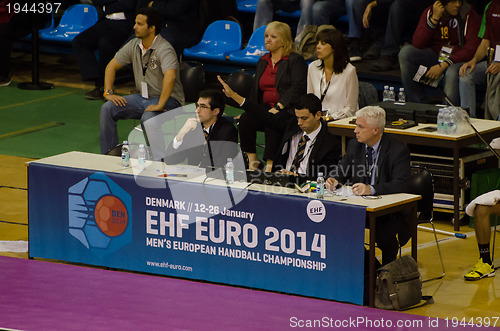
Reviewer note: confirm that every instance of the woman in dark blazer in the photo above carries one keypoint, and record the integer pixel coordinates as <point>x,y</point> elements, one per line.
<point>280,79</point>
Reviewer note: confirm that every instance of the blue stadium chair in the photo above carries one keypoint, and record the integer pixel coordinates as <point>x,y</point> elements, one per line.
<point>247,6</point>
<point>48,26</point>
<point>75,19</point>
<point>291,14</point>
<point>219,40</point>
<point>253,51</point>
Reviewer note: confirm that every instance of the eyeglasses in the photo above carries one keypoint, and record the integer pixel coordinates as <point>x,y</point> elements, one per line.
<point>202,106</point>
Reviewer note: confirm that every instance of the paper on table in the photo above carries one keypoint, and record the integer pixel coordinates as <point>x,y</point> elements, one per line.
<point>19,246</point>
<point>344,191</point>
<point>181,169</point>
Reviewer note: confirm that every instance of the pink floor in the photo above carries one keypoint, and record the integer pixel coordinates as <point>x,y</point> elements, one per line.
<point>36,295</point>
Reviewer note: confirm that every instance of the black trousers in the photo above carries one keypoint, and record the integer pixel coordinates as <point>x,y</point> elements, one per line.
<point>106,36</point>
<point>392,231</point>
<point>20,25</point>
<point>249,125</point>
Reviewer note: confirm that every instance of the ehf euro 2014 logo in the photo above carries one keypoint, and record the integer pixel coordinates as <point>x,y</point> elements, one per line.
<point>100,214</point>
<point>316,211</point>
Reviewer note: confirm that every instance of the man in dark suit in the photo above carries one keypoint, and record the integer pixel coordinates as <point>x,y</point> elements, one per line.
<point>376,164</point>
<point>306,146</point>
<point>207,140</point>
<point>322,150</point>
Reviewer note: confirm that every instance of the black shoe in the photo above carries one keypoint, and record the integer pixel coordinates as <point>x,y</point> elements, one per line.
<point>354,54</point>
<point>384,63</point>
<point>371,54</point>
<point>4,81</point>
<point>95,94</point>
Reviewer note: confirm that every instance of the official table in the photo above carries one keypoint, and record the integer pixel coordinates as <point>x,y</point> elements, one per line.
<point>414,135</point>
<point>87,208</point>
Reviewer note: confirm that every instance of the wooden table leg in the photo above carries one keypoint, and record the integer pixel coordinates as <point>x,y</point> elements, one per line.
<point>414,223</point>
<point>456,189</point>
<point>371,269</point>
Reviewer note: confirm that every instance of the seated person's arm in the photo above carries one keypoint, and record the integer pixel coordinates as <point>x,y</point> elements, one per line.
<point>190,125</point>
<point>176,154</point>
<point>166,90</point>
<point>109,79</point>
<point>331,183</point>
<point>258,110</point>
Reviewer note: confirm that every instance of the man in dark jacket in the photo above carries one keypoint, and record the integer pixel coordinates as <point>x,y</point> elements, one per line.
<point>376,164</point>
<point>181,21</point>
<point>207,140</point>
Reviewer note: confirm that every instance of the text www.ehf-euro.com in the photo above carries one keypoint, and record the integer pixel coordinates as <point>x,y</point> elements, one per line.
<point>169,266</point>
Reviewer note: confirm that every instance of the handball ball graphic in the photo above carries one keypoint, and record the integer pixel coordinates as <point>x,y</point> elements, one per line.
<point>111,215</point>
<point>100,214</point>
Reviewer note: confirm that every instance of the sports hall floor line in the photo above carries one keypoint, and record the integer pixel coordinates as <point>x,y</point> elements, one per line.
<point>11,222</point>
<point>31,130</point>
<point>35,100</point>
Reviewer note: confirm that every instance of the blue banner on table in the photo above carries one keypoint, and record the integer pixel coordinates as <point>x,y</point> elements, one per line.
<point>263,240</point>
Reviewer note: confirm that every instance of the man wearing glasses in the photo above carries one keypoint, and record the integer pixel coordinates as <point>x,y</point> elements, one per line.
<point>207,140</point>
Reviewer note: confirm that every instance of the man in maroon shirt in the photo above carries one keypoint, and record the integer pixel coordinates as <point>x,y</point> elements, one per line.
<point>445,36</point>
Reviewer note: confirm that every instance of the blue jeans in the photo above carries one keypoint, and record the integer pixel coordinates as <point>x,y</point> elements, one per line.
<point>134,109</point>
<point>355,10</point>
<point>388,39</point>
<point>410,58</point>
<point>324,12</point>
<point>265,12</point>
<point>468,85</point>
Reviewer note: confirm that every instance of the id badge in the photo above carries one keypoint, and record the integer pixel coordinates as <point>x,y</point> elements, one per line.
<point>144,90</point>
<point>445,53</point>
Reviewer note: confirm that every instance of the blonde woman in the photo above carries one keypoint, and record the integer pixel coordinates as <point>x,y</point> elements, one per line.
<point>280,79</point>
<point>332,78</point>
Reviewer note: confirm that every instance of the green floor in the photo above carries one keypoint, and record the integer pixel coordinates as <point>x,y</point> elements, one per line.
<point>38,124</point>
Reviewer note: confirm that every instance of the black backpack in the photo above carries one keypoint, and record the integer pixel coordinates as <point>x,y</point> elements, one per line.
<point>398,285</point>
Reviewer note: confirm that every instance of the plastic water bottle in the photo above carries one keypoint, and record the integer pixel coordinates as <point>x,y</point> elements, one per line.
<point>452,125</point>
<point>402,95</point>
<point>385,94</point>
<point>320,186</point>
<point>440,121</point>
<point>229,171</point>
<point>446,121</point>
<point>392,94</point>
<point>141,157</point>
<point>125,154</point>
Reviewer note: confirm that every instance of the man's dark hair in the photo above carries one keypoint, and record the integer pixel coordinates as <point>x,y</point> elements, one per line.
<point>216,100</point>
<point>153,17</point>
<point>445,2</point>
<point>309,102</point>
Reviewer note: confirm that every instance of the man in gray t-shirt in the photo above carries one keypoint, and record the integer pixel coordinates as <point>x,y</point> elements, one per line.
<point>155,67</point>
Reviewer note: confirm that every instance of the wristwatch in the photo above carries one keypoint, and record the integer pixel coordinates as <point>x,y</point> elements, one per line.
<point>107,92</point>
